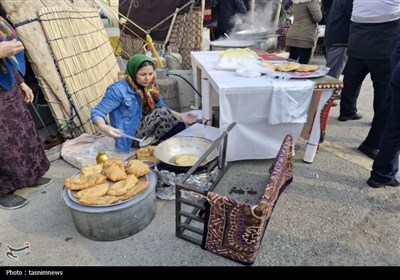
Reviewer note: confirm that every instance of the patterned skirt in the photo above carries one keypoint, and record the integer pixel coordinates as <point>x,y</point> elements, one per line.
<point>23,160</point>
<point>158,123</point>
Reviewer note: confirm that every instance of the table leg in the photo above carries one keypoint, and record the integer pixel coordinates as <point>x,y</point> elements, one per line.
<point>322,97</point>
<point>206,100</point>
<point>196,83</point>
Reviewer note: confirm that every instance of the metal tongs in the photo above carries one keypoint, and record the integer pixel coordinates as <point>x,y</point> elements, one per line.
<point>144,142</point>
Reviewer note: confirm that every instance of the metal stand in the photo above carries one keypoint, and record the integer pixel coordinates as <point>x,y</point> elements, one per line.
<point>36,106</point>
<point>189,214</point>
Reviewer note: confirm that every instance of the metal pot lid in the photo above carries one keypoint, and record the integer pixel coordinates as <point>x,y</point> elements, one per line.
<point>232,43</point>
<point>73,204</point>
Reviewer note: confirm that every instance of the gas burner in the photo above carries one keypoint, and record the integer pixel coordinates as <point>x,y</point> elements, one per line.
<point>177,169</point>
<point>167,179</point>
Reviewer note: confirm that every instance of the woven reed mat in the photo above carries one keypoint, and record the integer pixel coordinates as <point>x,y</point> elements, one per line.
<point>83,54</point>
<point>23,15</point>
<point>186,35</point>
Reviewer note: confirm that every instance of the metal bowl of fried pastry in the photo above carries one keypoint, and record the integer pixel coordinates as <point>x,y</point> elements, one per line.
<point>111,200</point>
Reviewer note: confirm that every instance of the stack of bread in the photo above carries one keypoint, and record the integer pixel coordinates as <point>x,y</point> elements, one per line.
<point>231,58</point>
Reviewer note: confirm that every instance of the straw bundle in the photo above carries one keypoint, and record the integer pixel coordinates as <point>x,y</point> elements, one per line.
<point>83,54</point>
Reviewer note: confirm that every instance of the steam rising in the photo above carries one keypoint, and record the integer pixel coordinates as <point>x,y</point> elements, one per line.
<point>266,15</point>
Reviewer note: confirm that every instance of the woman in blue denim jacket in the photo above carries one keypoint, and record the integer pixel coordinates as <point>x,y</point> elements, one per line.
<point>135,107</point>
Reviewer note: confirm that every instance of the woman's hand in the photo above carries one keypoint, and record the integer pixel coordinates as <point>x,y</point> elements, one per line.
<point>111,131</point>
<point>188,117</point>
<point>107,129</point>
<point>28,94</point>
<point>9,48</point>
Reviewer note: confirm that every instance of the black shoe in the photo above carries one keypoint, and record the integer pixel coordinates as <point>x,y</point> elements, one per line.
<point>369,152</point>
<point>12,201</point>
<point>345,118</point>
<point>374,184</point>
<point>42,182</point>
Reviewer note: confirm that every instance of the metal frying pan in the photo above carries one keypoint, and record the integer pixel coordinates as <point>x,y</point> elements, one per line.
<point>168,150</point>
<point>254,33</point>
<point>226,44</point>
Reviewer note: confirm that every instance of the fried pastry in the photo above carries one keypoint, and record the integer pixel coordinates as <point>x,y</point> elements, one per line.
<point>122,187</point>
<point>115,160</point>
<point>147,153</point>
<point>143,153</point>
<point>115,173</point>
<point>102,200</point>
<point>307,68</point>
<point>287,67</point>
<point>96,191</point>
<point>186,160</point>
<point>137,189</point>
<point>91,169</point>
<point>137,168</point>
<point>83,182</point>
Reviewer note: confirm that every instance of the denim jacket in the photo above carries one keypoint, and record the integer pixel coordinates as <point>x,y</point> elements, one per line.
<point>124,106</point>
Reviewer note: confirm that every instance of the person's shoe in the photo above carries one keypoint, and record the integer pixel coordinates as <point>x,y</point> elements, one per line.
<point>12,201</point>
<point>42,182</point>
<point>369,152</point>
<point>344,118</point>
<point>338,96</point>
<point>374,184</point>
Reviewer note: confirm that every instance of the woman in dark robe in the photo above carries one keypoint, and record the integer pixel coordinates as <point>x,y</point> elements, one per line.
<point>23,160</point>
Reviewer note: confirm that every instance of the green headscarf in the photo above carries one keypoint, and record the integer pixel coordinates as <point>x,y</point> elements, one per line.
<point>149,95</point>
<point>134,63</point>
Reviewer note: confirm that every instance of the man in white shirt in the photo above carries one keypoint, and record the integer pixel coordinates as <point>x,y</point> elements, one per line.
<point>374,27</point>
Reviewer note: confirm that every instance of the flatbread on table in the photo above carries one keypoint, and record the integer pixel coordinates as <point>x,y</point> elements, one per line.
<point>269,65</point>
<point>287,67</point>
<point>307,68</point>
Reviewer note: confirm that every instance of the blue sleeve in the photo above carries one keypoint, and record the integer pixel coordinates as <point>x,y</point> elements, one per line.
<point>111,100</point>
<point>160,102</point>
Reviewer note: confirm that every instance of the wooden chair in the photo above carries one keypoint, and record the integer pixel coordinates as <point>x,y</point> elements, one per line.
<point>232,228</point>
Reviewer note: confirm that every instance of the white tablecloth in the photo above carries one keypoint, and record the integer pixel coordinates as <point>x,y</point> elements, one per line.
<point>265,109</point>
